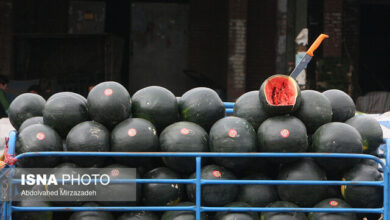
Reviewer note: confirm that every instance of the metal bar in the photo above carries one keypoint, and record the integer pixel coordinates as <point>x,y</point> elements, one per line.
<point>196,154</point>
<point>229,110</point>
<point>229,104</point>
<point>108,208</point>
<point>193,208</point>
<point>198,199</point>
<point>119,181</point>
<point>243,182</point>
<point>294,182</point>
<point>386,189</point>
<point>11,192</point>
<point>11,142</point>
<point>275,209</point>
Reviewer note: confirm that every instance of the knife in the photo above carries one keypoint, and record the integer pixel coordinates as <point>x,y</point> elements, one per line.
<point>309,54</point>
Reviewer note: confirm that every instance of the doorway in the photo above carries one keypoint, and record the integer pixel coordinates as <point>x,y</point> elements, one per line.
<point>374,62</point>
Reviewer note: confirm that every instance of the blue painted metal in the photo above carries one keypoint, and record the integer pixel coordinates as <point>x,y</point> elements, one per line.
<point>229,104</point>
<point>229,110</point>
<point>198,181</point>
<point>241,182</point>
<point>198,188</point>
<point>193,208</point>
<point>386,173</point>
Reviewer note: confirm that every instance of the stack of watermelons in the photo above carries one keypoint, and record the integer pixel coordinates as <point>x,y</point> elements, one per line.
<point>277,118</point>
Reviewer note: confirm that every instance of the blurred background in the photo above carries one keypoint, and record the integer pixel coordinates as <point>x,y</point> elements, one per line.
<point>231,46</point>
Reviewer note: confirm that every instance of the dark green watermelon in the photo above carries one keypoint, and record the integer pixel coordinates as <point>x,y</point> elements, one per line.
<point>114,191</point>
<point>282,134</point>
<point>89,215</point>
<point>31,121</point>
<point>157,105</point>
<point>337,137</point>
<point>65,94</point>
<point>32,215</point>
<point>214,195</point>
<point>369,162</point>
<point>330,204</point>
<point>64,111</point>
<point>37,138</point>
<point>59,171</point>
<point>283,215</point>
<point>233,134</point>
<point>202,106</point>
<point>343,107</point>
<point>109,103</point>
<point>249,107</point>
<point>260,166</point>
<point>183,137</point>
<point>237,215</point>
<point>302,195</point>
<point>160,194</point>
<point>257,195</point>
<point>369,129</point>
<point>134,135</point>
<point>25,106</point>
<point>363,196</point>
<point>139,216</point>
<point>88,136</point>
<point>279,95</point>
<point>315,110</point>
<point>183,215</point>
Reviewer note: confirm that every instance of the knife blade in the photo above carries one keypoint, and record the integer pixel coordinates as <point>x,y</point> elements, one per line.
<point>309,54</point>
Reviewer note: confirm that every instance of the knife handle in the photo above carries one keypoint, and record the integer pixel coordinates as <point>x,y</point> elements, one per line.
<point>316,44</point>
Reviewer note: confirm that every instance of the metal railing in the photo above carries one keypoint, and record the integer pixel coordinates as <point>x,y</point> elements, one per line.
<point>8,208</point>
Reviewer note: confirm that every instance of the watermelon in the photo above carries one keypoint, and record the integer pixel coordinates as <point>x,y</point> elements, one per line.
<point>25,106</point>
<point>337,137</point>
<point>183,137</point>
<point>109,103</point>
<point>282,134</point>
<point>139,216</point>
<point>257,195</point>
<point>202,106</point>
<point>363,196</point>
<point>279,95</point>
<point>232,134</point>
<point>369,162</point>
<point>63,111</point>
<point>88,215</point>
<point>88,136</point>
<point>283,215</point>
<point>157,105</point>
<point>32,215</point>
<point>214,195</point>
<point>343,107</point>
<point>37,138</point>
<point>59,171</point>
<point>237,215</point>
<point>134,135</point>
<point>315,110</point>
<point>370,130</point>
<point>113,191</point>
<point>31,121</point>
<point>65,94</point>
<point>304,169</point>
<point>183,215</point>
<point>248,106</point>
<point>332,203</point>
<point>160,194</point>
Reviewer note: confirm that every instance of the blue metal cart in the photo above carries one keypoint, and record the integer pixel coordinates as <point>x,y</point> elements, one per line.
<point>8,208</point>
